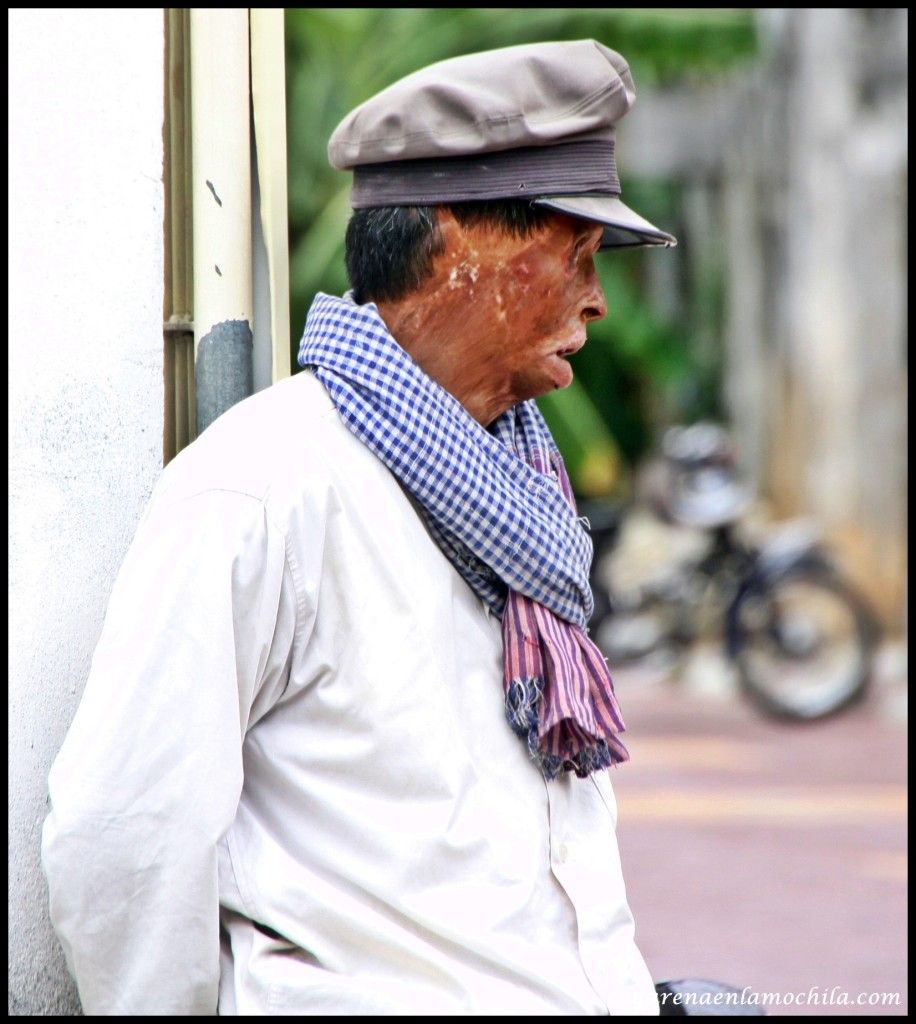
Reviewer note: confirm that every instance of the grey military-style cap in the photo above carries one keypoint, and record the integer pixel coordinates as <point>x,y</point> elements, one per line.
<point>535,121</point>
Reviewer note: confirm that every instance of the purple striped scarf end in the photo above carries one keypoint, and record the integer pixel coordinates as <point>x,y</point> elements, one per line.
<point>523,697</point>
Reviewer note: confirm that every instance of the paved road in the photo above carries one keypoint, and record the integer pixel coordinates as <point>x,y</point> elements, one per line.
<point>766,854</point>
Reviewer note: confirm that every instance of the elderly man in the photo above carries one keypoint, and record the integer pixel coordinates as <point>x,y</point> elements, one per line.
<point>344,742</point>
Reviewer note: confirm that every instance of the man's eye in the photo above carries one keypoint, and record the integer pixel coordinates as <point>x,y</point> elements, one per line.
<point>581,249</point>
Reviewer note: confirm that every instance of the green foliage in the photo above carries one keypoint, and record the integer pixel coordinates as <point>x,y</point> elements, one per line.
<point>636,362</point>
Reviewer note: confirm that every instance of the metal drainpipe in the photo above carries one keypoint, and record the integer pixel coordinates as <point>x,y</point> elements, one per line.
<point>221,190</point>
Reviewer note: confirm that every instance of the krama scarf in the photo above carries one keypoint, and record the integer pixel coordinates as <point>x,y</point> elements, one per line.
<point>498,503</point>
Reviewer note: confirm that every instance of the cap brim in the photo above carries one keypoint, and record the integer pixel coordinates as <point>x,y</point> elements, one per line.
<point>623,227</point>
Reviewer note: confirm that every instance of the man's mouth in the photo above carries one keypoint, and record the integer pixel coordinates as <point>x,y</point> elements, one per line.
<point>569,350</point>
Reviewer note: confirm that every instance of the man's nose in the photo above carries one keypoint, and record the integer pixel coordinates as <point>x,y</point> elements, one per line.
<point>594,305</point>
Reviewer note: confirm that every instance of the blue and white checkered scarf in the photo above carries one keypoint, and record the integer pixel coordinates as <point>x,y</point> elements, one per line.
<point>498,504</point>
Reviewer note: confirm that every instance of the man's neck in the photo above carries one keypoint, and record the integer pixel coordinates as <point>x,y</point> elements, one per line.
<point>432,329</point>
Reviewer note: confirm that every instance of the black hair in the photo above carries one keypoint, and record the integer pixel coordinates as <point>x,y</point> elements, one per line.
<point>389,250</point>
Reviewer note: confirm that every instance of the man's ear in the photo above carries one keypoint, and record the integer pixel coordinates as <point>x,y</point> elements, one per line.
<point>452,242</point>
<point>449,228</point>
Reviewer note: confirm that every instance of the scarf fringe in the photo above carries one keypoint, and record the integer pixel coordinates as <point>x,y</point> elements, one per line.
<point>523,697</point>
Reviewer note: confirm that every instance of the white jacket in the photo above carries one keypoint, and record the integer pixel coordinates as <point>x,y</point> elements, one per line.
<point>290,787</point>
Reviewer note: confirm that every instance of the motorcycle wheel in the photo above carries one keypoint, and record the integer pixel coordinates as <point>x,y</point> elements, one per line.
<point>803,643</point>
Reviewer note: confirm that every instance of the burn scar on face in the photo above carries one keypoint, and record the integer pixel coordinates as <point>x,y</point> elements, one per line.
<point>498,314</point>
<point>463,274</point>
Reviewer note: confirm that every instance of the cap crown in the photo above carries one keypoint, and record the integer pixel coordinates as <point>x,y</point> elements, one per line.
<point>536,94</point>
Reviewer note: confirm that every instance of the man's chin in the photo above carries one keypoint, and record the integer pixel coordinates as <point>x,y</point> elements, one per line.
<point>561,373</point>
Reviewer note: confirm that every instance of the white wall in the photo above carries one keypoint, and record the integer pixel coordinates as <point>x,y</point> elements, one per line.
<point>86,394</point>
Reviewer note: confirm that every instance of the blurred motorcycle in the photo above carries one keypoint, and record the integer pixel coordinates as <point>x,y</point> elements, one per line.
<point>800,636</point>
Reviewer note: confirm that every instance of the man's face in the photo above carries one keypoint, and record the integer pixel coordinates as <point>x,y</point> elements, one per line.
<point>526,301</point>
<point>498,316</point>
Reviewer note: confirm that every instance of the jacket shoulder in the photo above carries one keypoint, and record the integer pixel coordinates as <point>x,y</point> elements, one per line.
<point>275,438</point>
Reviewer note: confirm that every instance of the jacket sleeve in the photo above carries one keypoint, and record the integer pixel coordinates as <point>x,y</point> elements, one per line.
<point>195,643</point>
